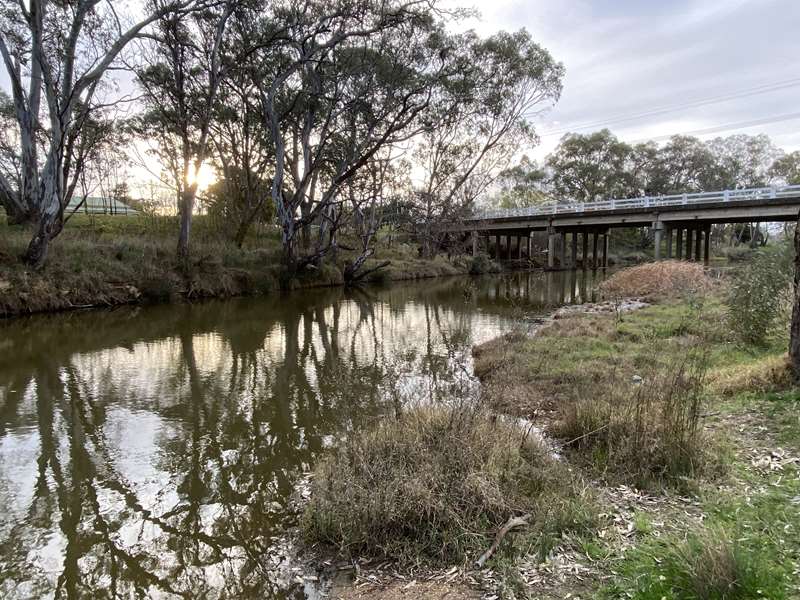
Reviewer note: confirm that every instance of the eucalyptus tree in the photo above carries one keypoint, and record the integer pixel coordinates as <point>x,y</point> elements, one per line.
<point>588,167</point>
<point>9,154</point>
<point>381,183</point>
<point>56,55</point>
<point>786,169</point>
<point>744,161</point>
<point>338,82</point>
<point>242,151</point>
<point>180,78</point>
<point>478,122</point>
<point>521,185</point>
<point>685,164</point>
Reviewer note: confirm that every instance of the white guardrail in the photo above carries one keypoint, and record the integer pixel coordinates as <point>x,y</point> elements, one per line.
<point>646,202</point>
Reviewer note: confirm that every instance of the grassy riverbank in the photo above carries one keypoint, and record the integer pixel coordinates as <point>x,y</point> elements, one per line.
<point>683,442</point>
<point>109,261</point>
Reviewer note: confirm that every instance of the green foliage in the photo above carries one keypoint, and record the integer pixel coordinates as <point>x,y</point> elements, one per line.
<point>522,185</point>
<point>787,168</point>
<point>758,293</point>
<point>708,565</point>
<point>590,167</point>
<point>481,264</point>
<point>645,429</point>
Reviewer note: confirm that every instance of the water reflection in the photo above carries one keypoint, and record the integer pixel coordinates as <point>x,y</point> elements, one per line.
<point>154,452</point>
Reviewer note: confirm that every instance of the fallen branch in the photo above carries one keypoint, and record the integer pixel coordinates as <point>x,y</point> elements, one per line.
<point>512,523</point>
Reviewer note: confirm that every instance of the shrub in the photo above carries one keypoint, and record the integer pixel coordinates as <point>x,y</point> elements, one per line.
<point>666,279</point>
<point>644,430</point>
<point>483,264</point>
<point>434,485</point>
<point>758,292</point>
<point>738,253</point>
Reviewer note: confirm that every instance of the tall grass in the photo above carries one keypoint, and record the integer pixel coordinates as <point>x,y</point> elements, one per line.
<point>645,428</point>
<point>434,485</point>
<point>706,565</point>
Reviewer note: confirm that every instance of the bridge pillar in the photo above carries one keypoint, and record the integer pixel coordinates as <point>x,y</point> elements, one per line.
<point>594,250</point>
<point>658,228</point>
<point>669,242</point>
<point>574,253</point>
<point>497,254</point>
<point>697,242</point>
<point>529,247</point>
<point>552,239</point>
<point>679,244</point>
<point>689,233</point>
<point>562,251</point>
<point>474,243</point>
<point>707,244</point>
<point>584,258</point>
<point>605,249</point>
<point>519,247</point>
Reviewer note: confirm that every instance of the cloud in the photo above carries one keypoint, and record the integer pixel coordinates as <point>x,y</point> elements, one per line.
<point>627,57</point>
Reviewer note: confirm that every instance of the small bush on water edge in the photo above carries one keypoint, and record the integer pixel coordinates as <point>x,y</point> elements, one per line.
<point>435,485</point>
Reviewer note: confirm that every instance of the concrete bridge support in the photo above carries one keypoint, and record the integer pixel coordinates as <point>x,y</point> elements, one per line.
<point>585,252</point>
<point>658,230</point>
<point>552,241</point>
<point>574,253</point>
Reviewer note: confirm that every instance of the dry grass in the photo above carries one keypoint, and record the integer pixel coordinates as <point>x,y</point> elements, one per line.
<point>658,280</point>
<point>646,430</point>
<point>109,261</point>
<point>768,374</point>
<point>433,486</point>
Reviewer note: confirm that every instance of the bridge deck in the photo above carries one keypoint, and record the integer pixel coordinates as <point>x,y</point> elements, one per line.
<point>777,203</point>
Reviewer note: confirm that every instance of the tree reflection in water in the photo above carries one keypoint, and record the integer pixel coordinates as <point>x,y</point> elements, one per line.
<point>154,452</point>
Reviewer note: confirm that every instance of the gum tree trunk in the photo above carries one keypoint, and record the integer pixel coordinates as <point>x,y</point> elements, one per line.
<point>794,332</point>
<point>186,208</point>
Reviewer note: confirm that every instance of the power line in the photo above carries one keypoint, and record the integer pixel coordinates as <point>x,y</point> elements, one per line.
<point>728,127</point>
<point>754,91</point>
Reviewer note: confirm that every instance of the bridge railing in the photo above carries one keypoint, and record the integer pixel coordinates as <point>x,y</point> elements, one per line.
<point>645,202</point>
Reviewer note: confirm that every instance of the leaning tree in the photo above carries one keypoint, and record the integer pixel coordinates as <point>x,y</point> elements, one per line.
<point>56,55</point>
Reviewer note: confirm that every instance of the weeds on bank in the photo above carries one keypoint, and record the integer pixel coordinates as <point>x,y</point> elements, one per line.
<point>644,429</point>
<point>434,485</point>
<point>748,548</point>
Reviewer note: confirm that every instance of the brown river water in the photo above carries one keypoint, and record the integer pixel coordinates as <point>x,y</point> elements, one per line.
<point>155,452</point>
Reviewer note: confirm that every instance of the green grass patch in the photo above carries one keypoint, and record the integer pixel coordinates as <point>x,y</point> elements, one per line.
<point>748,548</point>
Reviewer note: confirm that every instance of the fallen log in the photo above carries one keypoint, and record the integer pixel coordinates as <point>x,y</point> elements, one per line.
<point>512,523</point>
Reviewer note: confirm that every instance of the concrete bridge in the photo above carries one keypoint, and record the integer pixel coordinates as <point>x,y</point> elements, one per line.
<point>682,220</point>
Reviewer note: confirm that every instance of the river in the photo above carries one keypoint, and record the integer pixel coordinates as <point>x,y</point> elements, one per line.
<point>155,451</point>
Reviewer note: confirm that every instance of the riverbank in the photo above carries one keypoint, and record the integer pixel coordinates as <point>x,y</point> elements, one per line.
<point>112,261</point>
<point>687,443</point>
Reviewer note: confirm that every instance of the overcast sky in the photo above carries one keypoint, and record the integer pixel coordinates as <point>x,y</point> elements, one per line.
<point>628,57</point>
<point>717,62</point>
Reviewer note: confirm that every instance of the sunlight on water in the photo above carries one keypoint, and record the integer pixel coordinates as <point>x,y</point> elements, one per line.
<point>155,451</point>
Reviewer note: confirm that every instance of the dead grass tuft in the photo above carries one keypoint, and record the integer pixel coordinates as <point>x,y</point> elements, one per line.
<point>646,429</point>
<point>434,485</point>
<point>769,374</point>
<point>657,280</point>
